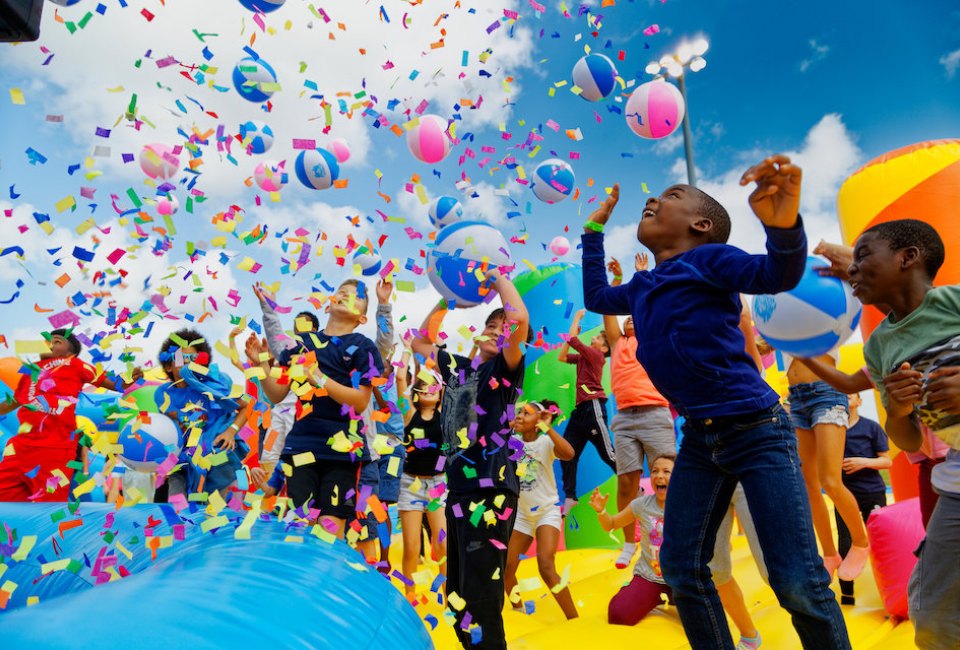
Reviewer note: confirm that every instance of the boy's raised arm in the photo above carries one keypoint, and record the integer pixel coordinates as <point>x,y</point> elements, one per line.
<point>598,295</point>
<point>517,313</point>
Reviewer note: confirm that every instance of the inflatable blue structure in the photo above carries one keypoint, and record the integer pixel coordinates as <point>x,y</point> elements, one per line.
<point>147,577</point>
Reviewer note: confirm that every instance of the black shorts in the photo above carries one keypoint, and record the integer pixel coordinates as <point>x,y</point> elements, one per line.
<point>328,485</point>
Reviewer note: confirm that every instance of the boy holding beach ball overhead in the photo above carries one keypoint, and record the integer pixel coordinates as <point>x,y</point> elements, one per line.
<point>686,313</point>
<point>481,457</point>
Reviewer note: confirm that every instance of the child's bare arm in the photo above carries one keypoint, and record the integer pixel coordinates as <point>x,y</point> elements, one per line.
<point>904,388</point>
<point>259,356</point>
<point>561,448</point>
<point>843,382</point>
<point>516,313</point>
<point>598,502</point>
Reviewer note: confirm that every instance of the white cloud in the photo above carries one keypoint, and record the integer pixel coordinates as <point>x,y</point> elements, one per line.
<point>818,52</point>
<point>669,145</point>
<point>356,52</point>
<point>951,62</point>
<point>828,155</point>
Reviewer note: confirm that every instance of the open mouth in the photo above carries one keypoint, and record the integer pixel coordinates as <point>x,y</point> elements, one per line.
<point>648,213</point>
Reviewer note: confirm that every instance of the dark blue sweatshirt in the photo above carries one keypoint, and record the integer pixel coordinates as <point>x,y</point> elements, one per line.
<point>686,313</point>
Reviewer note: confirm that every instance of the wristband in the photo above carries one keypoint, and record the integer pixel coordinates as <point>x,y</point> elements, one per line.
<point>594,226</point>
<point>234,427</point>
<point>617,277</point>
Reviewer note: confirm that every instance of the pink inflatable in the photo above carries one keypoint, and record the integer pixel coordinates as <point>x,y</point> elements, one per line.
<point>894,533</point>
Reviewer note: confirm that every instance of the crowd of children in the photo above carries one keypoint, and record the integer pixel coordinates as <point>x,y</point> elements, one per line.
<point>347,427</point>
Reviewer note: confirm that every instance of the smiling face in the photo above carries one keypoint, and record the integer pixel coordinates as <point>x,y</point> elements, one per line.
<point>628,327</point>
<point>170,367</point>
<point>875,272</point>
<point>346,304</point>
<point>427,395</point>
<point>526,418</point>
<point>487,342</point>
<point>660,477</point>
<point>669,217</point>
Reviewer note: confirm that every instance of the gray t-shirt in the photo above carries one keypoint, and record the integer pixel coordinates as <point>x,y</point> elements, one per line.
<point>650,516</point>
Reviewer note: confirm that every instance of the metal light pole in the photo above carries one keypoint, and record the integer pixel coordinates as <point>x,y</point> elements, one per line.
<point>687,134</point>
<point>688,56</point>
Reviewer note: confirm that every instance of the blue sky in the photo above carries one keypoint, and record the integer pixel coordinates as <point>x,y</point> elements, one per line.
<point>833,83</point>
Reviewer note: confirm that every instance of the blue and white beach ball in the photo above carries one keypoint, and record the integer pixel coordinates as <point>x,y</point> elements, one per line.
<point>249,75</point>
<point>445,210</point>
<point>368,260</point>
<point>596,76</point>
<point>256,137</point>
<point>150,444</point>
<point>810,320</point>
<point>263,6</point>
<point>553,180</point>
<point>317,168</point>
<point>455,263</point>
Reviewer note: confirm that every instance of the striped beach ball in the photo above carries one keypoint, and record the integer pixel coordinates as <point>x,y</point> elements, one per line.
<point>262,6</point>
<point>655,109</point>
<point>596,76</point>
<point>270,175</point>
<point>811,319</point>
<point>428,140</point>
<point>552,180</point>
<point>455,263</point>
<point>167,205</point>
<point>256,137</point>
<point>368,260</point>
<point>445,210</point>
<point>159,161</point>
<point>317,168</point>
<point>249,75</point>
<point>149,445</point>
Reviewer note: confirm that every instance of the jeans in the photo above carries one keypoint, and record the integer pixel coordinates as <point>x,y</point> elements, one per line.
<point>760,451</point>
<point>817,403</point>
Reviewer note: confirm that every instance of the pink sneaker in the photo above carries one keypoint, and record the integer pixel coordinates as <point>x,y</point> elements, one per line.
<point>855,562</point>
<point>831,563</point>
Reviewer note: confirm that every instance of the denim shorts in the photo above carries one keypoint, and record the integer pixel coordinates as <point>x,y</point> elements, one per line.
<point>817,403</point>
<point>390,483</point>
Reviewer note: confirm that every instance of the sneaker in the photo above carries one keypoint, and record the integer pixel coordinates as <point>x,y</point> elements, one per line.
<point>747,643</point>
<point>831,563</point>
<point>567,506</point>
<point>626,556</point>
<point>855,562</point>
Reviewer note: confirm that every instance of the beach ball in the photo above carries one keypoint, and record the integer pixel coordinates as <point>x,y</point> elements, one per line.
<point>559,246</point>
<point>811,319</point>
<point>596,76</point>
<point>369,260</point>
<point>167,205</point>
<point>249,75</point>
<point>340,150</point>
<point>270,175</point>
<point>445,210</point>
<point>257,137</point>
<point>920,181</point>
<point>552,180</point>
<point>317,168</point>
<point>262,6</point>
<point>65,3</point>
<point>428,140</point>
<point>455,264</point>
<point>159,161</point>
<point>150,444</point>
<point>655,109</point>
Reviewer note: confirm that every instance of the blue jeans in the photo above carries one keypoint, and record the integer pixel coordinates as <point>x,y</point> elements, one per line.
<point>758,450</point>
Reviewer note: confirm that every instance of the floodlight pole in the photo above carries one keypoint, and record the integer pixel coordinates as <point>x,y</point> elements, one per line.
<point>687,134</point>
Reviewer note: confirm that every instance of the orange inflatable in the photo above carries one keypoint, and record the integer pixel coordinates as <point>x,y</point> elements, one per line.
<point>922,182</point>
<point>10,372</point>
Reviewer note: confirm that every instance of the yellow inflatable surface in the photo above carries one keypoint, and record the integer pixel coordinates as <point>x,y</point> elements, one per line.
<point>594,580</point>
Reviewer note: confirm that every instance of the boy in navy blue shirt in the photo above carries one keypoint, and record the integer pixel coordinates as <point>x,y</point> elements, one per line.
<point>331,371</point>
<point>686,313</point>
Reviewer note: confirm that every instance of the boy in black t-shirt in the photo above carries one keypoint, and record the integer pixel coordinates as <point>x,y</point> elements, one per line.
<point>865,452</point>
<point>481,461</point>
<point>328,370</point>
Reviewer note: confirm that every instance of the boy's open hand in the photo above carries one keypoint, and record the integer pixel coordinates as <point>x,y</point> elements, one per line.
<point>904,389</point>
<point>602,214</point>
<point>258,475</point>
<point>384,289</point>
<point>943,389</point>
<point>226,440</point>
<point>254,348</point>
<point>840,256</point>
<point>776,199</point>
<point>641,262</point>
<point>598,501</point>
